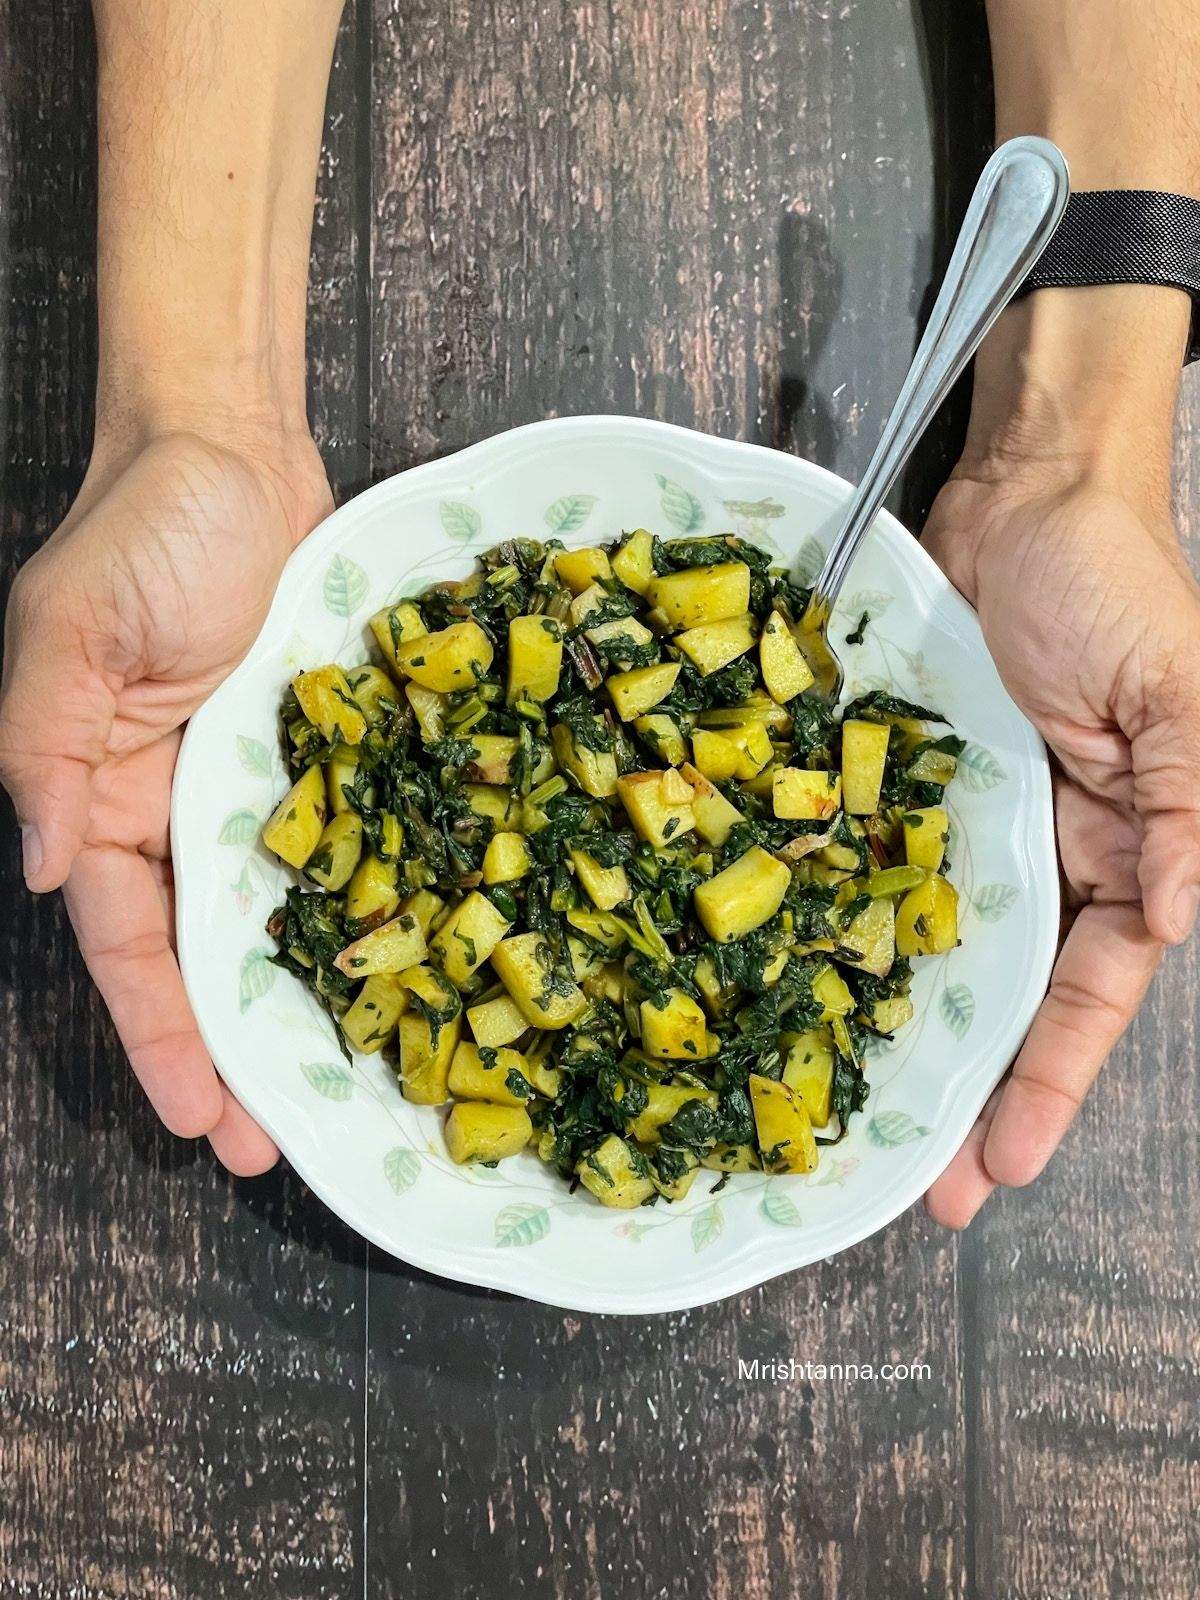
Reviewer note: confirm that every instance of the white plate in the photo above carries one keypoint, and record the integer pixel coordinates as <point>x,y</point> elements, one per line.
<point>379,1162</point>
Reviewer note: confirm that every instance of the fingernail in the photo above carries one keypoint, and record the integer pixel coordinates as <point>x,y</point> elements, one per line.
<point>1183,912</point>
<point>31,851</point>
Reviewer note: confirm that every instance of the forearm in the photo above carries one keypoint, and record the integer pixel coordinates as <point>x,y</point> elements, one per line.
<point>1088,378</point>
<point>210,122</point>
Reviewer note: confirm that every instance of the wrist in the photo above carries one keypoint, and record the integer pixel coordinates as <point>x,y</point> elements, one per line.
<point>1081,384</point>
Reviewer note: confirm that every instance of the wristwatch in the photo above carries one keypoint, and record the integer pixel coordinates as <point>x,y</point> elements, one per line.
<point>1126,236</point>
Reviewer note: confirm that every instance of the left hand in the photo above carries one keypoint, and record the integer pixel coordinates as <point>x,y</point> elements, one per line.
<point>1093,619</point>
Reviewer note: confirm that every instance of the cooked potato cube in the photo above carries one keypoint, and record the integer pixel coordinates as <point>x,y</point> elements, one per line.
<point>371,1020</point>
<point>933,766</point>
<point>496,1022</point>
<point>783,1127</point>
<point>427,1045</point>
<point>394,947</point>
<point>634,692</point>
<point>489,800</point>
<point>594,770</point>
<point>547,997</point>
<point>927,919</point>
<point>873,932</point>
<point>656,816</point>
<point>682,1167</point>
<point>784,670</point>
<point>340,772</point>
<point>453,658</point>
<point>864,752</point>
<point>617,1174</point>
<point>732,1158</point>
<point>714,815</point>
<point>702,594</point>
<point>468,936</point>
<point>810,796</point>
<point>662,1102</point>
<point>374,693</point>
<point>926,832</point>
<point>426,907</point>
<point>326,700</point>
<point>294,828</point>
<point>493,759</point>
<point>606,886</point>
<point>477,1132</point>
<point>333,862</point>
<point>580,568</point>
<point>886,1016</point>
<point>633,563</point>
<point>830,992</point>
<point>621,638</point>
<point>756,707</point>
<point>429,709</point>
<point>584,959</point>
<point>372,894</point>
<point>661,733</point>
<point>506,859</point>
<point>714,645</point>
<point>743,896</point>
<point>753,745</point>
<point>675,1031</point>
<point>716,995</point>
<point>808,1072</point>
<point>535,647</point>
<point>474,1076</point>
<point>394,626</point>
<point>715,755</point>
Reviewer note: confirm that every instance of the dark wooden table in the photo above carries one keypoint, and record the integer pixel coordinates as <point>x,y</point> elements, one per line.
<point>725,213</point>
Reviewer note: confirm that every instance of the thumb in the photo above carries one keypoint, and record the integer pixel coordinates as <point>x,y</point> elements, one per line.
<point>1166,760</point>
<point>55,716</point>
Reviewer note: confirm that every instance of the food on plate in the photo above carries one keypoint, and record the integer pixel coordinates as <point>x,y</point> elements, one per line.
<point>579,855</point>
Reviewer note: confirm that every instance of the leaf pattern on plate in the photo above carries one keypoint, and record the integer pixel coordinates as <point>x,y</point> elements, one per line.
<point>569,514</point>
<point>978,769</point>
<point>460,521</point>
<point>754,510</point>
<point>957,1008</point>
<point>253,756</point>
<point>345,586</point>
<point>995,900</point>
<point>401,1168</point>
<point>809,561</point>
<point>707,1226</point>
<point>255,976</point>
<point>329,1079</point>
<point>779,1207</point>
<point>239,827</point>
<point>888,1129</point>
<point>874,601</point>
<point>521,1224</point>
<point>680,507</point>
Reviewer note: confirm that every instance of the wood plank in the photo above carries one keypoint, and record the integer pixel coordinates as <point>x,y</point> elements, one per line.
<point>181,1360</point>
<point>1084,1303</point>
<point>722,214</point>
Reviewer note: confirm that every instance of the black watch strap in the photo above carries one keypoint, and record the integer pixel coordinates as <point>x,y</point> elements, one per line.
<point>1126,236</point>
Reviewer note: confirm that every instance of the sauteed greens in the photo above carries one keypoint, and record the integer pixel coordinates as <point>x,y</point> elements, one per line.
<point>580,856</point>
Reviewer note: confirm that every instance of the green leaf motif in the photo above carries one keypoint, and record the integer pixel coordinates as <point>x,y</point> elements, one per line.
<point>680,507</point>
<point>345,586</point>
<point>755,510</point>
<point>995,900</point>
<point>334,1082</point>
<point>569,514</point>
<point>707,1226</point>
<point>779,1207</point>
<point>957,1007</point>
<point>459,521</point>
<point>888,1129</point>
<point>255,977</point>
<point>873,601</point>
<point>401,1168</point>
<point>254,756</point>
<point>809,562</point>
<point>978,769</point>
<point>239,827</point>
<point>244,890</point>
<point>521,1224</point>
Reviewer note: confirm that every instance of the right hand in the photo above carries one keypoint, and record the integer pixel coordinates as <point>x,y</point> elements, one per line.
<point>130,615</point>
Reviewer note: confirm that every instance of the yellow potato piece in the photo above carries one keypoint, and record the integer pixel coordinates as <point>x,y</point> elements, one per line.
<point>453,658</point>
<point>926,832</point>
<point>702,594</point>
<point>547,999</point>
<point>327,701</point>
<point>633,563</point>
<point>497,1022</point>
<point>617,1174</point>
<point>636,691</point>
<point>784,670</point>
<point>864,752</point>
<point>294,828</point>
<point>468,936</point>
<point>677,1031</point>
<point>478,1132</point>
<point>743,896</point>
<point>714,645</point>
<point>927,919</point>
<point>579,569</point>
<point>656,815</point>
<point>800,794</point>
<point>782,1126</point>
<point>535,647</point>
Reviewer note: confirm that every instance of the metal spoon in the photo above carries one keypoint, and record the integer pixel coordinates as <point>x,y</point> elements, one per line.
<point>1017,204</point>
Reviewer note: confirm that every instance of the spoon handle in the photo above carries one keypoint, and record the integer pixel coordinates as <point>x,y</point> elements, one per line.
<point>1016,206</point>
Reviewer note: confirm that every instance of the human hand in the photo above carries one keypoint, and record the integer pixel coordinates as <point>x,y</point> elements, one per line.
<point>118,629</point>
<point>1093,618</point>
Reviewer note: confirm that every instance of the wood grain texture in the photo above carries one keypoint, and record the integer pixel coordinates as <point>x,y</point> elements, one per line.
<point>726,213</point>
